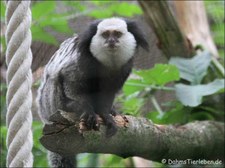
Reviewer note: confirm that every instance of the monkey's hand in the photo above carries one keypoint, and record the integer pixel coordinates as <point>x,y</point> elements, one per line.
<point>90,120</point>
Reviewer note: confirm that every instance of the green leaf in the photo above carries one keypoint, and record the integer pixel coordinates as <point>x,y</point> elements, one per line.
<point>132,105</point>
<point>177,114</point>
<point>42,9</point>
<point>40,35</point>
<point>200,116</point>
<point>192,95</point>
<point>194,69</point>
<point>132,85</point>
<point>159,75</point>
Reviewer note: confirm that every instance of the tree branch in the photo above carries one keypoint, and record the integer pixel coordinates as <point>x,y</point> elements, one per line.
<point>136,137</point>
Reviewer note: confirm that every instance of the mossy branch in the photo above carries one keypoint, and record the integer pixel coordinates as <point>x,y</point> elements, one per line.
<point>136,137</point>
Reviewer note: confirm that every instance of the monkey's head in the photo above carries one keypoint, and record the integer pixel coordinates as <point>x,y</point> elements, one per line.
<point>113,41</point>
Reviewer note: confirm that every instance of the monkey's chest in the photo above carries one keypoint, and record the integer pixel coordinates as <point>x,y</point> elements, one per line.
<point>105,82</point>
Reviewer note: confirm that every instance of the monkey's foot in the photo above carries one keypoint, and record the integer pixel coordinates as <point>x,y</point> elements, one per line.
<point>114,113</point>
<point>90,121</point>
<point>110,124</point>
<point>111,130</point>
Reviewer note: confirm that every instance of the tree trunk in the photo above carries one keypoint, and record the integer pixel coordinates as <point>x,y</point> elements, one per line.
<point>192,20</point>
<point>171,40</point>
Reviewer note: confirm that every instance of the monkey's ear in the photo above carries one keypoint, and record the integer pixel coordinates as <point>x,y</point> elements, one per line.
<point>86,36</point>
<point>133,28</point>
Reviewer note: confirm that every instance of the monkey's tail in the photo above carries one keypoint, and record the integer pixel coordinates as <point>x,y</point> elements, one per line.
<point>58,161</point>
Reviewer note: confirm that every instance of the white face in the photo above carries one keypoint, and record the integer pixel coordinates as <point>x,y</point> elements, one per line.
<point>112,44</point>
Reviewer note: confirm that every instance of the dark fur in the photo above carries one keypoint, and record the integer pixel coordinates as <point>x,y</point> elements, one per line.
<point>138,34</point>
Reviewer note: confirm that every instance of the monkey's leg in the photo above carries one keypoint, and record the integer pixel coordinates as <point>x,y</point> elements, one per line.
<point>58,161</point>
<point>104,107</point>
<point>81,105</point>
<point>77,101</point>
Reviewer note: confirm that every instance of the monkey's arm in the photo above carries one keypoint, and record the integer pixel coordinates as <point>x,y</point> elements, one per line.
<point>75,97</point>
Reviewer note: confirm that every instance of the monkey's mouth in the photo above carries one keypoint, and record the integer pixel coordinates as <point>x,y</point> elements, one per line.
<point>112,46</point>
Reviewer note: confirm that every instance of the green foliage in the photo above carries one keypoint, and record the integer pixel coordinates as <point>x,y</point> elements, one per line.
<point>76,6</point>
<point>112,161</point>
<point>39,34</point>
<point>215,11</point>
<point>41,10</point>
<point>132,105</point>
<point>192,95</point>
<point>47,18</point>
<point>2,8</point>
<point>39,152</point>
<point>139,88</point>
<point>2,20</point>
<point>177,114</point>
<point>98,160</point>
<point>145,83</point>
<point>194,69</point>
<point>108,9</point>
<point>167,73</point>
<point>3,150</point>
<point>160,75</point>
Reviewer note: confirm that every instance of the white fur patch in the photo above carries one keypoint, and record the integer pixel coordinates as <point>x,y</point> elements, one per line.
<point>113,58</point>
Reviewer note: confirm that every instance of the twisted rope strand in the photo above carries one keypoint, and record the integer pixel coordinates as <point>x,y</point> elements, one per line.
<point>19,80</point>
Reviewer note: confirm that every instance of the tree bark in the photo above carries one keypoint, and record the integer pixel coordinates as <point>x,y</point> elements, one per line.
<point>171,40</point>
<point>192,20</point>
<point>136,137</point>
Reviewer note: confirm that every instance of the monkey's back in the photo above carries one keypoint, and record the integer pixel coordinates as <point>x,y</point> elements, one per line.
<point>50,91</point>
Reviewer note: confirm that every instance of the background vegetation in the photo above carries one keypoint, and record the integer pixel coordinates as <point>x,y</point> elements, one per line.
<point>143,85</point>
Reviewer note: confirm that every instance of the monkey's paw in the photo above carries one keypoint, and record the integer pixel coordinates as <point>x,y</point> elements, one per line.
<point>90,120</point>
<point>111,127</point>
<point>111,130</point>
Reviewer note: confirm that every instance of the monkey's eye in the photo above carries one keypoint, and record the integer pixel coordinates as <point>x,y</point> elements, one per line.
<point>117,34</point>
<point>105,34</point>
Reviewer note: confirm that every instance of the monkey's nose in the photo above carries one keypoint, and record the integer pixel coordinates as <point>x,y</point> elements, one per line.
<point>111,42</point>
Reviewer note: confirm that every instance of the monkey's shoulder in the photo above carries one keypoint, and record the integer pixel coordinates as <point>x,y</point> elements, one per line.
<point>66,56</point>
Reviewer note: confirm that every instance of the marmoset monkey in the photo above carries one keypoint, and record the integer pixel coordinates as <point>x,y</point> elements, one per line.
<point>86,72</point>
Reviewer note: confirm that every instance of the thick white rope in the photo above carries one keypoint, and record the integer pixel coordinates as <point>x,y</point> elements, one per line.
<point>19,80</point>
